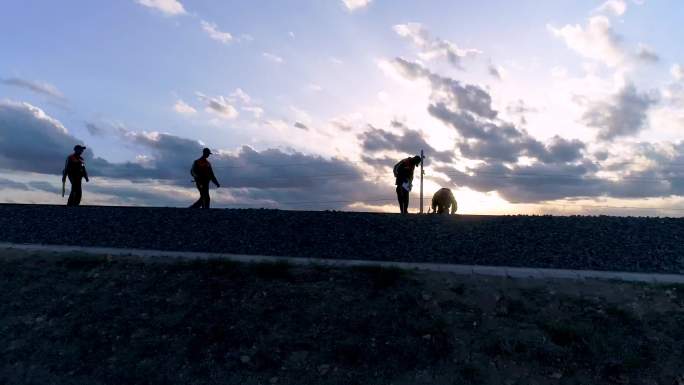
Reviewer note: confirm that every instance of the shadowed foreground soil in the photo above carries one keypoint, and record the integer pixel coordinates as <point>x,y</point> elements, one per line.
<point>77,319</point>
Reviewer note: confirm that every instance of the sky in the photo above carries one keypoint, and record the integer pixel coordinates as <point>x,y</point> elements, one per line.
<point>525,107</point>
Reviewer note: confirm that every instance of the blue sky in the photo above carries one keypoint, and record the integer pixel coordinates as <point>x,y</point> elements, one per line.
<point>587,91</point>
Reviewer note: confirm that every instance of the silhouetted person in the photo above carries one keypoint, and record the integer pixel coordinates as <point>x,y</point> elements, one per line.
<point>203,174</point>
<point>403,171</point>
<point>443,200</point>
<point>75,170</point>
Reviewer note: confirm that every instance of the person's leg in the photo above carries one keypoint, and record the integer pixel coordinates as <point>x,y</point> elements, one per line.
<point>200,201</point>
<point>75,193</point>
<point>402,196</point>
<point>205,196</point>
<point>400,200</point>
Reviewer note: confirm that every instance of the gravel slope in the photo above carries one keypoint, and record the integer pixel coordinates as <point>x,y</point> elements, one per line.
<point>601,243</point>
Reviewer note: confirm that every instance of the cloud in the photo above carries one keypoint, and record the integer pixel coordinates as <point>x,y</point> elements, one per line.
<point>677,71</point>
<point>272,57</point>
<point>95,129</point>
<point>353,5</point>
<point>624,114</point>
<point>432,48</point>
<point>219,106</point>
<point>7,184</point>
<point>448,91</point>
<point>301,126</point>
<point>408,142</point>
<point>647,54</point>
<point>214,33</point>
<point>34,86</point>
<point>596,40</point>
<point>167,7</point>
<point>616,7</point>
<point>31,141</point>
<point>183,108</point>
<point>495,72</point>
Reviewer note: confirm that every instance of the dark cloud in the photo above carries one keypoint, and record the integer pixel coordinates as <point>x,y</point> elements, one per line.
<point>648,55</point>
<point>624,114</point>
<point>44,186</point>
<point>31,141</point>
<point>450,92</point>
<point>494,72</point>
<point>37,87</point>
<point>302,126</point>
<point>7,184</point>
<point>409,142</point>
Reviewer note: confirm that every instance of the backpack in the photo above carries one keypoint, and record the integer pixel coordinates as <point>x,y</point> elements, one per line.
<point>396,169</point>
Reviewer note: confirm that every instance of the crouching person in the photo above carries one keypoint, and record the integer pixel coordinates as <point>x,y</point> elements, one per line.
<point>443,201</point>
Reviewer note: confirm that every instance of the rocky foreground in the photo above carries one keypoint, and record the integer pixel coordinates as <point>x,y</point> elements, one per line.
<point>601,243</point>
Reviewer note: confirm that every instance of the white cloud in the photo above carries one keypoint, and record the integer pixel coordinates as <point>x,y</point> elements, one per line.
<point>214,33</point>
<point>433,47</point>
<point>596,40</point>
<point>183,108</point>
<point>278,124</point>
<point>167,7</point>
<point>677,71</point>
<point>559,72</point>
<point>353,5</point>
<point>241,96</point>
<point>301,115</point>
<point>219,106</point>
<point>255,110</point>
<point>315,87</point>
<point>616,7</point>
<point>272,57</point>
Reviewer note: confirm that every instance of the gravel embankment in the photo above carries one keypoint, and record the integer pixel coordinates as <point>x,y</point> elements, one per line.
<point>601,243</point>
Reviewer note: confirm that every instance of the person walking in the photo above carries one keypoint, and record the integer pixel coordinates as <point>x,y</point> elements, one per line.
<point>403,172</point>
<point>75,170</point>
<point>202,173</point>
<point>443,200</point>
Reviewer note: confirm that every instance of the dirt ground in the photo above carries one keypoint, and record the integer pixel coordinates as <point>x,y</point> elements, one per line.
<point>79,319</point>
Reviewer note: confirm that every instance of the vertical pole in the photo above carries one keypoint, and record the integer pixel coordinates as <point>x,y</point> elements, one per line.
<point>421,180</point>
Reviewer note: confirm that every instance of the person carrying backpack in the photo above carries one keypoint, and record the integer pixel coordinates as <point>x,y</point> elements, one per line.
<point>403,172</point>
<point>202,173</point>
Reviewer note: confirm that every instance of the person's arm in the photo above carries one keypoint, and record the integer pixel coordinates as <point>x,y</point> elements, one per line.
<point>64,172</point>
<point>213,177</point>
<point>193,171</point>
<point>85,173</point>
<point>454,205</point>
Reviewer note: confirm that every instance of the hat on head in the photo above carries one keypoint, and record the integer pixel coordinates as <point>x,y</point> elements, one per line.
<point>79,147</point>
<point>206,151</point>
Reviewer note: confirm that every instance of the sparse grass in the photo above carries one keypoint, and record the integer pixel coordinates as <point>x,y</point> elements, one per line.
<point>381,277</point>
<point>83,261</point>
<point>179,322</point>
<point>280,270</point>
